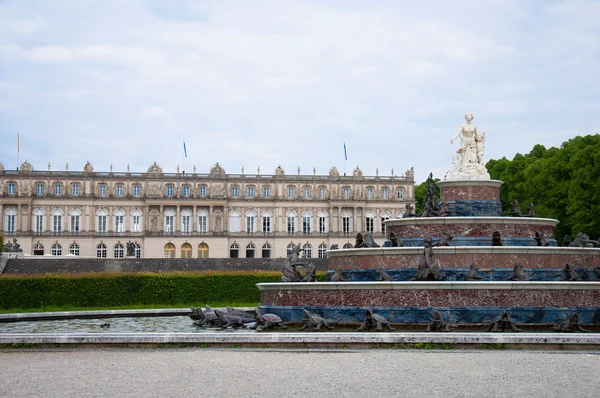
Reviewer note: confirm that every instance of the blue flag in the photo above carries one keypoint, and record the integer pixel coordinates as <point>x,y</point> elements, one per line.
<point>184,149</point>
<point>345,155</point>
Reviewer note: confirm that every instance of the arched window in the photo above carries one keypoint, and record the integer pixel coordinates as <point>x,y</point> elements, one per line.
<point>250,250</point>
<point>74,221</point>
<point>101,221</point>
<point>348,246</point>
<point>384,215</point>
<point>323,217</point>
<point>38,249</point>
<point>101,250</point>
<point>400,193</point>
<point>370,222</point>
<point>291,221</point>
<point>74,249</point>
<point>234,221</point>
<point>57,219</point>
<point>138,251</point>
<point>186,250</point>
<point>169,250</point>
<point>118,251</point>
<point>203,250</point>
<point>322,250</point>
<point>266,251</point>
<point>250,221</point>
<point>10,220</point>
<point>119,220</point>
<point>234,250</point>
<point>169,221</point>
<point>306,222</point>
<point>39,221</point>
<point>267,221</point>
<point>56,249</point>
<point>202,221</point>
<point>186,223</point>
<point>307,251</point>
<point>346,222</point>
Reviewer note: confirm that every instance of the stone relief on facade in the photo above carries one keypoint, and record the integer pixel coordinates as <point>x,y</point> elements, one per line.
<point>467,162</point>
<point>26,168</point>
<point>218,221</point>
<point>25,188</point>
<point>217,190</point>
<point>217,170</point>
<point>155,169</point>
<point>154,190</point>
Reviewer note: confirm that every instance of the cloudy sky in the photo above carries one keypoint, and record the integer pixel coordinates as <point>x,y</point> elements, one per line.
<point>260,83</point>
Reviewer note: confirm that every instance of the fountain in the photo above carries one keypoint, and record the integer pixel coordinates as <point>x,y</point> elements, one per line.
<point>488,264</point>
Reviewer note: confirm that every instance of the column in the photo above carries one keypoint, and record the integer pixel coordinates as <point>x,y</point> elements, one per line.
<point>176,224</point>
<point>194,219</point>
<point>1,218</point>
<point>354,220</point>
<point>18,220</point>
<point>48,219</point>
<point>161,220</point>
<point>210,221</point>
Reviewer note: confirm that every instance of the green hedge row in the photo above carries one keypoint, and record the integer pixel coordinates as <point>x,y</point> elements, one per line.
<point>106,290</point>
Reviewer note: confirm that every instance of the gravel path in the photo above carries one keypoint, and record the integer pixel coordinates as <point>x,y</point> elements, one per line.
<point>229,372</point>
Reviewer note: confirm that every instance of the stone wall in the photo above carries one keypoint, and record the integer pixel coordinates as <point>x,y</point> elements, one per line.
<point>79,265</point>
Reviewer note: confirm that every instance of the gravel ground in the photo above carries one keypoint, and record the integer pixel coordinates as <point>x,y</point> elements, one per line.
<point>233,372</point>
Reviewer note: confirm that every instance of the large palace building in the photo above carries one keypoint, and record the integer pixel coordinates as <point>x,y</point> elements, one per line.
<point>193,215</point>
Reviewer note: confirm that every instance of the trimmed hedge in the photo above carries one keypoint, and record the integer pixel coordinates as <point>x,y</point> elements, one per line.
<point>111,289</point>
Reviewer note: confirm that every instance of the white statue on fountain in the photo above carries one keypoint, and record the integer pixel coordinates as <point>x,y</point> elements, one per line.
<point>467,162</point>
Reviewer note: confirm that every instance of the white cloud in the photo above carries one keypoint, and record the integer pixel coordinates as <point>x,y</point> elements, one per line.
<point>152,112</point>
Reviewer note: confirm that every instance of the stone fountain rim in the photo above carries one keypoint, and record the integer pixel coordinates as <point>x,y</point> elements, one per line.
<point>447,250</point>
<point>551,222</point>
<point>470,183</point>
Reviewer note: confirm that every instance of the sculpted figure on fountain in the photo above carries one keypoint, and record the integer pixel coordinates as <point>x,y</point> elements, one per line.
<point>467,162</point>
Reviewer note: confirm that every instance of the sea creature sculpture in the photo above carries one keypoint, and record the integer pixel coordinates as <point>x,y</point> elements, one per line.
<point>334,247</point>
<point>394,240</point>
<point>428,269</point>
<point>567,241</point>
<point>597,272</point>
<point>376,320</point>
<point>530,210</point>
<point>383,276</point>
<point>366,240</point>
<point>409,211</point>
<point>473,274</point>
<point>227,319</point>
<point>518,275</point>
<point>570,274</point>
<point>515,211</point>
<point>266,321</point>
<point>502,322</point>
<point>582,240</point>
<point>105,325</point>
<point>290,267</point>
<point>541,241</point>
<point>205,317</point>
<point>310,319</point>
<point>445,241</point>
<point>496,239</point>
<point>444,210</point>
<point>338,276</point>
<point>437,324</point>
<point>570,325</point>
<point>311,273</point>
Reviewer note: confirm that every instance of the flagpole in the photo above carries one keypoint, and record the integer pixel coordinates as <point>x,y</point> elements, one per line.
<point>18,149</point>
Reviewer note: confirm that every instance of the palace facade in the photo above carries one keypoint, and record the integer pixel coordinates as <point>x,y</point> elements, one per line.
<point>194,215</point>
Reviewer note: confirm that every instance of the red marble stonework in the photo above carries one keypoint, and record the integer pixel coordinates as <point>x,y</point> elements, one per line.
<point>434,298</point>
<point>469,193</point>
<point>451,259</point>
<point>472,230</point>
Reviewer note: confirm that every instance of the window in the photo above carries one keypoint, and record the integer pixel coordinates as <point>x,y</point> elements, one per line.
<point>119,190</point>
<point>137,190</point>
<point>400,193</point>
<point>39,188</point>
<point>266,251</point>
<point>38,249</point>
<point>203,221</point>
<point>385,193</point>
<point>234,221</point>
<point>384,216</point>
<point>102,190</point>
<point>101,250</point>
<point>291,222</point>
<point>56,249</point>
<point>202,250</point>
<point>186,194</point>
<point>10,224</point>
<point>346,191</point>
<point>138,251</point>
<point>369,193</point>
<point>266,223</point>
<point>234,250</point>
<point>307,251</point>
<point>136,221</point>
<point>186,250</point>
<point>186,224</point>
<point>307,223</point>
<point>370,222</point>
<point>250,250</point>
<point>322,225</point>
<point>322,192</point>
<point>266,192</point>
<point>74,249</point>
<point>169,250</point>
<point>348,246</point>
<point>57,221</point>
<point>169,221</point>
<point>170,191</point>
<point>234,192</point>
<point>102,216</point>
<point>290,192</point>
<point>38,221</point>
<point>345,224</point>
<point>57,189</point>
<point>250,222</point>
<point>322,250</point>
<point>119,221</point>
<point>75,223</point>
<point>119,251</point>
<point>202,191</point>
<point>75,189</point>
<point>306,192</point>
<point>11,188</point>
<point>250,192</point>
